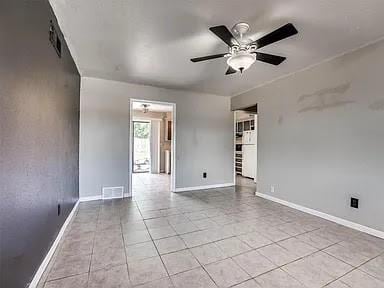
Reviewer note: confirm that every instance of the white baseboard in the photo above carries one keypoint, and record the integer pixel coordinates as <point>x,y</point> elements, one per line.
<point>48,257</point>
<point>183,189</point>
<point>326,216</point>
<point>90,198</point>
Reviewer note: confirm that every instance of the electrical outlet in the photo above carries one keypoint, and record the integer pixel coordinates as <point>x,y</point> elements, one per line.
<point>204,174</point>
<point>354,203</point>
<point>58,209</point>
<point>272,189</point>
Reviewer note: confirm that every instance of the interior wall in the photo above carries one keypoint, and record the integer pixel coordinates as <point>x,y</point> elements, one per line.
<point>39,133</point>
<point>321,136</point>
<point>204,135</point>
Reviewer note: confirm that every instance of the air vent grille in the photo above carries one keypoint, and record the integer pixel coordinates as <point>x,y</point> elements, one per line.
<point>113,192</point>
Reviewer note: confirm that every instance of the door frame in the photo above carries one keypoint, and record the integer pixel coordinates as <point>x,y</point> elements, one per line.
<point>234,144</point>
<point>173,145</point>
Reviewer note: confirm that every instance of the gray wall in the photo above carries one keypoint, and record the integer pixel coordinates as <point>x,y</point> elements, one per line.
<point>39,121</point>
<point>321,136</point>
<point>204,131</point>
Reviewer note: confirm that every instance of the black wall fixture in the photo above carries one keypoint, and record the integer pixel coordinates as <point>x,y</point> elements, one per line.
<point>54,38</point>
<point>39,134</point>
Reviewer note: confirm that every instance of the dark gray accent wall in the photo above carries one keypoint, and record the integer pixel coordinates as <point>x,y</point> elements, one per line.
<point>39,122</point>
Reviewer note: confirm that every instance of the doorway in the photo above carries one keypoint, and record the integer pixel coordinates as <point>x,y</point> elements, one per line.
<point>152,148</point>
<point>245,148</point>
<point>141,146</point>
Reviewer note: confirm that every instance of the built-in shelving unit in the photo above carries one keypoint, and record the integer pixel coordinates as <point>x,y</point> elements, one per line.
<point>242,126</point>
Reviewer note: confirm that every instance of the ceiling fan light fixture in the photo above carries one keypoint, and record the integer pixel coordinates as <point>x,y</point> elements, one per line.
<point>241,61</point>
<point>145,108</point>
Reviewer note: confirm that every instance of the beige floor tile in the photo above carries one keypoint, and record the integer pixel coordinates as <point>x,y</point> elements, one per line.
<point>226,273</point>
<point>277,254</point>
<point>78,281</point>
<point>134,237</point>
<point>278,279</point>
<point>232,246</point>
<point>68,266</point>
<point>196,238</point>
<point>297,247</point>
<point>78,247</point>
<point>292,228</point>
<point>347,255</point>
<point>146,270</point>
<point>180,261</point>
<point>364,247</point>
<point>107,241</point>
<point>314,239</point>
<point>255,239</point>
<point>359,279</point>
<point>254,263</point>
<point>156,223</point>
<point>206,224</point>
<point>317,269</point>
<point>140,251</point>
<point>162,232</point>
<point>337,284</point>
<point>133,226</point>
<point>171,244</point>
<point>114,277</point>
<point>196,278</point>
<point>108,258</point>
<point>274,234</point>
<point>208,253</point>
<point>375,267</point>
<point>248,284</point>
<point>184,228</point>
<point>161,283</point>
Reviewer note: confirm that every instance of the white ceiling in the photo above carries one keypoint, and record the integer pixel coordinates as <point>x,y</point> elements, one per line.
<point>151,41</point>
<point>153,107</point>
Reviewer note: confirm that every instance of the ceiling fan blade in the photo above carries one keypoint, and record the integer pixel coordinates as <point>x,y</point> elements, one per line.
<point>224,34</point>
<point>268,58</point>
<point>281,33</point>
<point>230,71</point>
<point>209,57</point>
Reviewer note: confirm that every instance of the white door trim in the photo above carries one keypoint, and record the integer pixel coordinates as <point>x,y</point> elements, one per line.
<point>130,139</point>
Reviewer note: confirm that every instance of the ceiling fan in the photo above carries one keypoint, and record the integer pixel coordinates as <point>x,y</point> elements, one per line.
<point>243,51</point>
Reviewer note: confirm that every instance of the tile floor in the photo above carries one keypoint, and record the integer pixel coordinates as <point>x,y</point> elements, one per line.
<point>146,184</point>
<point>214,238</point>
<point>245,182</point>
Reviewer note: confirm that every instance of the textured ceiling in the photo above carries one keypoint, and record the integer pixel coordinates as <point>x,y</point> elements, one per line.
<point>151,41</point>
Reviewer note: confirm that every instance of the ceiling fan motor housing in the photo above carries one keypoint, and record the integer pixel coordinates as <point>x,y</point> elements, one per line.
<point>241,28</point>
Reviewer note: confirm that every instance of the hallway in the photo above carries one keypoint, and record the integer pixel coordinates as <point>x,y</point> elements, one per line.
<point>214,238</point>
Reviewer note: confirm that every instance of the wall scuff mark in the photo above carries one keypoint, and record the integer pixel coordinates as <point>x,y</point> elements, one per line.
<point>324,99</point>
<point>377,105</point>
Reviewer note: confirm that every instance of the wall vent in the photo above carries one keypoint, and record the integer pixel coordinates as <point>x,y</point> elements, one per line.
<point>113,192</point>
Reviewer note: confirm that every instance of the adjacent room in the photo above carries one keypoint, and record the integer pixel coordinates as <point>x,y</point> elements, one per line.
<point>152,148</point>
<point>191,144</point>
<point>246,147</point>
